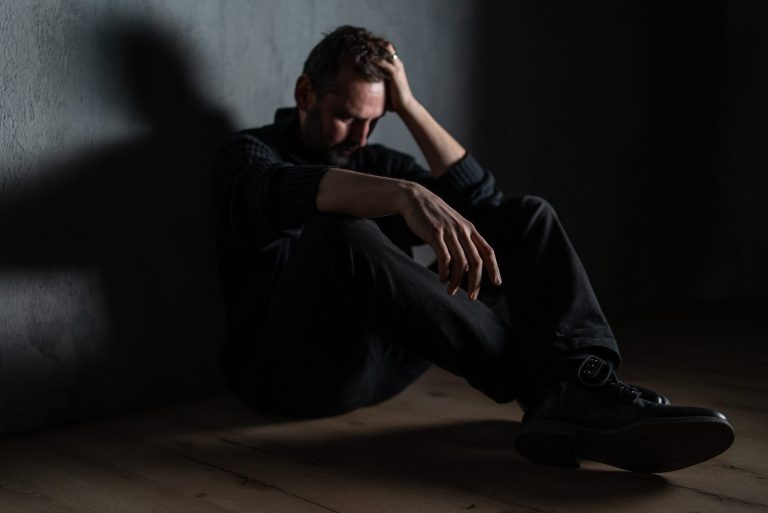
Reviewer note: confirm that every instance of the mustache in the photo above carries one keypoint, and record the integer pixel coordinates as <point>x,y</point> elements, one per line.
<point>345,147</point>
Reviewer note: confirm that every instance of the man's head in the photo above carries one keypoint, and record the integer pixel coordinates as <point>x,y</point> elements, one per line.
<point>342,92</point>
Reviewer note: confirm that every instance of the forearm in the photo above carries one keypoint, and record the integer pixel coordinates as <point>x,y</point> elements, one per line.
<point>360,194</point>
<point>438,146</point>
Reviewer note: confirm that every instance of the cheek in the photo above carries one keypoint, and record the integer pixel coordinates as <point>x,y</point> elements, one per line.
<point>337,131</point>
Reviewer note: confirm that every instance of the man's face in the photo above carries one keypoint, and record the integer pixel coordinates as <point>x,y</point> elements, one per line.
<point>340,121</point>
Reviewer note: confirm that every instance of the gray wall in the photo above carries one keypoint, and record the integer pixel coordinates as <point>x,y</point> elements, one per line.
<point>110,113</point>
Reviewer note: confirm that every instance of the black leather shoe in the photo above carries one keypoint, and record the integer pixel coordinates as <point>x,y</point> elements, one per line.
<point>597,417</point>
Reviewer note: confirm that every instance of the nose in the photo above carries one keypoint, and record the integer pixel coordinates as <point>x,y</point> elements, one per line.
<point>359,132</point>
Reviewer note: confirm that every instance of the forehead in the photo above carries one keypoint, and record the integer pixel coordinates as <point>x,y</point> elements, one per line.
<point>356,96</point>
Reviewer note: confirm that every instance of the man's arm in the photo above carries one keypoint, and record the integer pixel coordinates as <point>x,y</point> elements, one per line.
<point>360,194</point>
<point>438,146</point>
<point>458,245</point>
<point>455,174</point>
<point>259,195</point>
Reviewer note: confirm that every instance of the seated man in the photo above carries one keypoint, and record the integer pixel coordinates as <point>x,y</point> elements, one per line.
<point>328,311</point>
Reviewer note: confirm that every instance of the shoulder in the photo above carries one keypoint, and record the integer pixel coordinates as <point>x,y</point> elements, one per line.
<point>267,141</point>
<point>263,135</point>
<point>259,143</point>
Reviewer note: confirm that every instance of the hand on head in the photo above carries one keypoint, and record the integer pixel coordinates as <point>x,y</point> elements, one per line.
<point>399,95</point>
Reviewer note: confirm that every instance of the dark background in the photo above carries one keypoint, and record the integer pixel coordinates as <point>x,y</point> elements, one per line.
<point>644,124</point>
<point>641,122</point>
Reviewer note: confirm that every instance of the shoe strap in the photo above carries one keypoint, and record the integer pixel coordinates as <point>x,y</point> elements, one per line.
<point>594,371</point>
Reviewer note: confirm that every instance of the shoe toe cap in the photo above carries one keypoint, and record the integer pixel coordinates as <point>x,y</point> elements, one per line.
<point>691,411</point>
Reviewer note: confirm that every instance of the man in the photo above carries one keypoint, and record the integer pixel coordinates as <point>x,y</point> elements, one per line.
<point>329,312</point>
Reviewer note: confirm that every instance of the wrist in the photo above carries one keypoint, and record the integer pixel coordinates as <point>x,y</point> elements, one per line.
<point>404,193</point>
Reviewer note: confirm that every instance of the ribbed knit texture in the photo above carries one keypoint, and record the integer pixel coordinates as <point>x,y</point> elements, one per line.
<point>276,195</point>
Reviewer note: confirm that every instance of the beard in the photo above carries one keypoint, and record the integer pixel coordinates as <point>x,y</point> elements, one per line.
<point>339,155</point>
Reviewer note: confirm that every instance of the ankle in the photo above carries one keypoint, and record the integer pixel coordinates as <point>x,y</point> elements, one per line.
<point>587,366</point>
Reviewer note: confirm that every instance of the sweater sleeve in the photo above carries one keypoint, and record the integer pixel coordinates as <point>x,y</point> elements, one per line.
<point>465,186</point>
<point>473,185</point>
<point>263,195</point>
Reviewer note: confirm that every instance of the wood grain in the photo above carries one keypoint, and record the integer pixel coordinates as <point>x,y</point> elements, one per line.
<point>440,446</point>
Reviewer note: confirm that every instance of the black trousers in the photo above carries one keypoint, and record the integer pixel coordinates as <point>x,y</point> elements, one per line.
<point>354,319</point>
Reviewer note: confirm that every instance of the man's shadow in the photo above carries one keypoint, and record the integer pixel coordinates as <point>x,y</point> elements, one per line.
<point>137,218</point>
<point>474,459</point>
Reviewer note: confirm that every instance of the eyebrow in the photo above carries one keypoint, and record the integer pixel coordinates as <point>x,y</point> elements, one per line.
<point>345,114</point>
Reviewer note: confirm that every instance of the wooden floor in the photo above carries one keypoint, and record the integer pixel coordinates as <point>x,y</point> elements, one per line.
<point>441,446</point>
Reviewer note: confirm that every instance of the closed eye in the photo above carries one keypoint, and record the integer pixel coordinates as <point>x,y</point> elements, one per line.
<point>345,118</point>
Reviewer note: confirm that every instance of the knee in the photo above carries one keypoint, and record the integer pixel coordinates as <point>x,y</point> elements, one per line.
<point>537,204</point>
<point>534,207</point>
<point>333,229</point>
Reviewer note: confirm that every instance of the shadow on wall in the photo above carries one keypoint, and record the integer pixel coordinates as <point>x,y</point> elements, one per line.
<point>138,217</point>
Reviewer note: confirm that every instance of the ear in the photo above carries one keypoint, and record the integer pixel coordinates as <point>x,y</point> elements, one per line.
<point>304,93</point>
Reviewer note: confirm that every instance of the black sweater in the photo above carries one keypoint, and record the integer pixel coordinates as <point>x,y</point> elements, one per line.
<point>266,190</point>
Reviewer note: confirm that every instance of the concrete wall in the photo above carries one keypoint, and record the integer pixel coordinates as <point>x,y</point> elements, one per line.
<point>110,112</point>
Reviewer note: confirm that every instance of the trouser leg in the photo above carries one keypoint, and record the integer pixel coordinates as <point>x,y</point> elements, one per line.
<point>551,304</point>
<point>354,319</point>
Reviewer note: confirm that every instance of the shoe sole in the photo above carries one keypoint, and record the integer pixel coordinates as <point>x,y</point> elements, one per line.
<point>653,445</point>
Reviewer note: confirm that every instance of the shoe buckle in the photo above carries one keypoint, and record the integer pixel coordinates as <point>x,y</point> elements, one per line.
<point>594,371</point>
